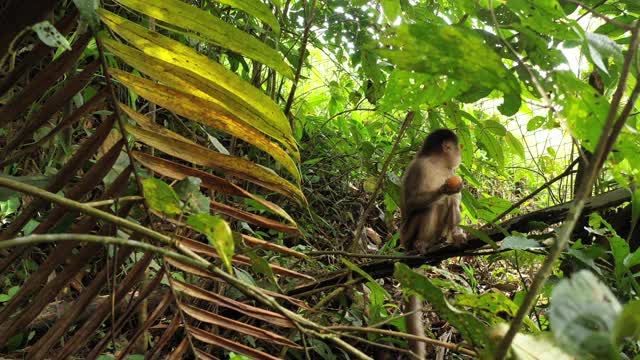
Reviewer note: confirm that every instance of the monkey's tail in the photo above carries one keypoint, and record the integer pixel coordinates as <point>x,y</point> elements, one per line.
<point>415,326</point>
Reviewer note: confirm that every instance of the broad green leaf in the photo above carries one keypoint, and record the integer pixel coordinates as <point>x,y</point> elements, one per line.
<point>493,305</point>
<point>456,52</point>
<point>495,127</point>
<point>515,145</point>
<point>583,313</point>
<point>409,90</point>
<point>229,88</point>
<point>628,323</point>
<point>177,171</point>
<point>471,329</point>
<point>261,266</point>
<point>242,168</point>
<point>161,197</point>
<point>391,9</point>
<point>601,48</point>
<point>536,122</point>
<point>583,108</point>
<point>256,8</point>
<point>220,33</point>
<point>492,145</point>
<point>218,233</point>
<point>205,112</point>
<point>519,242</point>
<point>48,34</point>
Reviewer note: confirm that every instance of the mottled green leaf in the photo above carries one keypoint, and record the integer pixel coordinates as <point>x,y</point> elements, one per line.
<point>48,34</point>
<point>218,233</point>
<point>161,197</point>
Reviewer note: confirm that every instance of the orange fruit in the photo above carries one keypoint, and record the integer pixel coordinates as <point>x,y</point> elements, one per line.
<point>454,182</point>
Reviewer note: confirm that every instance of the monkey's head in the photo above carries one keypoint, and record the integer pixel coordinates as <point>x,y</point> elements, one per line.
<point>443,142</point>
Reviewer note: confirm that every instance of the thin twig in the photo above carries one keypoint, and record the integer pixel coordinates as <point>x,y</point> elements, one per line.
<point>601,16</point>
<point>447,345</point>
<point>119,200</point>
<point>363,256</point>
<point>517,204</point>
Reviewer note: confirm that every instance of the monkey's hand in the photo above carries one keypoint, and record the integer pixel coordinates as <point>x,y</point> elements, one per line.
<point>453,185</point>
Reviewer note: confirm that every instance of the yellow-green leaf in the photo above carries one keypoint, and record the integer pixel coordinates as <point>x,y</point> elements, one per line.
<point>192,83</point>
<point>161,197</point>
<point>229,87</point>
<point>257,9</point>
<point>207,113</point>
<point>218,233</point>
<point>239,167</point>
<point>220,33</point>
<point>146,123</point>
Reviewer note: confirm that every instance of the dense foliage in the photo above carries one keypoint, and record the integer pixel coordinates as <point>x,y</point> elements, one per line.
<point>221,179</point>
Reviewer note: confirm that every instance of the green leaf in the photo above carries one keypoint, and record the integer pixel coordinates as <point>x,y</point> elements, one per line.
<point>261,266</point>
<point>583,108</point>
<point>469,327</point>
<point>493,305</point>
<point>391,9</point>
<point>256,8</point>
<point>519,242</point>
<point>188,189</point>
<point>515,145</point>
<point>218,233</point>
<point>601,47</point>
<point>536,122</point>
<point>491,145</point>
<point>456,52</point>
<point>210,27</point>
<point>583,313</point>
<point>371,282</point>
<point>628,323</point>
<point>495,127</point>
<point>87,9</point>
<point>161,197</point>
<point>48,34</point>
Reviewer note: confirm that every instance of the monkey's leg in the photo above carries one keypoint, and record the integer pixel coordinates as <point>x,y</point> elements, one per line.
<point>415,326</point>
<point>454,234</point>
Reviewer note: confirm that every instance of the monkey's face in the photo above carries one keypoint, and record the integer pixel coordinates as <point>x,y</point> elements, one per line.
<point>452,153</point>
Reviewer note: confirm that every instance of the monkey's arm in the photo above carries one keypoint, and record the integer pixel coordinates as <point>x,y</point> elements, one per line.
<point>423,201</point>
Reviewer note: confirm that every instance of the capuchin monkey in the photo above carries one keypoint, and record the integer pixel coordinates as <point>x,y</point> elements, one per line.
<point>430,210</point>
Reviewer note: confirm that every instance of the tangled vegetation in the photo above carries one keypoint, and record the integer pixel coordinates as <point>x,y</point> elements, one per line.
<point>221,179</point>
